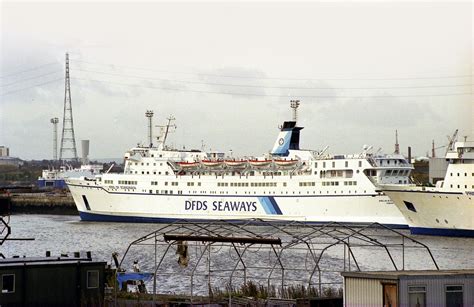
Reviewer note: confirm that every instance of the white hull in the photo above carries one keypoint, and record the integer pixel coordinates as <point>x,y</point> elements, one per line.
<point>120,206</point>
<point>447,209</point>
<point>435,212</point>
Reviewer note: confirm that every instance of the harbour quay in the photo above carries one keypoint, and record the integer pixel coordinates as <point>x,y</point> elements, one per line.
<point>46,203</point>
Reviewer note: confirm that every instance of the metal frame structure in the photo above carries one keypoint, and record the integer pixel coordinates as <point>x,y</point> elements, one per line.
<point>67,135</point>
<point>273,253</point>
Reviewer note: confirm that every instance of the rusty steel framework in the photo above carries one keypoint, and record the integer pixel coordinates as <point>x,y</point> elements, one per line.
<point>202,257</point>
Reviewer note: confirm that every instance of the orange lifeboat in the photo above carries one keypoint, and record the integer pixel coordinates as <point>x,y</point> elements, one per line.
<point>260,163</point>
<point>236,163</point>
<point>285,163</point>
<point>187,165</point>
<point>211,163</point>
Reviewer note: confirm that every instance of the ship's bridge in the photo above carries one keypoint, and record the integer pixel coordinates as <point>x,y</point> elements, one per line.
<point>389,169</point>
<point>462,150</point>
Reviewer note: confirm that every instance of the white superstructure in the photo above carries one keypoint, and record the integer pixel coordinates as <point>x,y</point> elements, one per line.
<point>54,178</point>
<point>160,184</point>
<point>448,208</point>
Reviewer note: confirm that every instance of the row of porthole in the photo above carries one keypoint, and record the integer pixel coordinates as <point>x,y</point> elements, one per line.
<point>447,197</point>
<point>446,221</point>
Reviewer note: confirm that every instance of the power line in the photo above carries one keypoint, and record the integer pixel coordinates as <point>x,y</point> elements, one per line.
<point>31,78</point>
<point>279,78</point>
<point>273,87</point>
<point>27,70</point>
<point>265,95</point>
<point>30,87</point>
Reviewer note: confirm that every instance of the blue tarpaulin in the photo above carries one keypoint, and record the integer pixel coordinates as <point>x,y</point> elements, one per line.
<point>123,277</point>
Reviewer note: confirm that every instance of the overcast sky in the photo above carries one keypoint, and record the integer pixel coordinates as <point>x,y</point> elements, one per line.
<point>227,71</point>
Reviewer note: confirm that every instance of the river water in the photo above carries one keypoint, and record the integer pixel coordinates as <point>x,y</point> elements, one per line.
<point>65,234</point>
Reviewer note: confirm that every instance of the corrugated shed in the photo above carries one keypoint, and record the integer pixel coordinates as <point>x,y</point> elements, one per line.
<point>436,288</point>
<point>363,292</point>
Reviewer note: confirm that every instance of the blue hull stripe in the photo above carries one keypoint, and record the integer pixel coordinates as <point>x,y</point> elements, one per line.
<point>275,205</point>
<point>94,217</point>
<point>267,206</point>
<point>442,232</point>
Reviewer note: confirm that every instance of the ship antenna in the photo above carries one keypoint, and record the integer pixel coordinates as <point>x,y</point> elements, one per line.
<point>294,104</point>
<point>168,126</point>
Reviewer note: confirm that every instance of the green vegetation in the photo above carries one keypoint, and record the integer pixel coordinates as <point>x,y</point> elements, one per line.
<point>25,174</point>
<point>249,291</point>
<point>257,291</point>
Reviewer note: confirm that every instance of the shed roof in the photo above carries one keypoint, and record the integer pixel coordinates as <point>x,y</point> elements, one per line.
<point>30,261</point>
<point>397,274</point>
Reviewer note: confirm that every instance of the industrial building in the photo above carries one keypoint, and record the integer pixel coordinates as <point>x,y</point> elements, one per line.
<point>6,160</point>
<point>438,167</point>
<point>51,281</point>
<point>4,151</point>
<point>453,288</point>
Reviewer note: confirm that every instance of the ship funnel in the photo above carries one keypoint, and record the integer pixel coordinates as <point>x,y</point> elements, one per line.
<point>289,138</point>
<point>85,151</point>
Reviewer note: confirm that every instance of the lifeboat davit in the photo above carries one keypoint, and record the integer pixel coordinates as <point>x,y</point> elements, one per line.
<point>211,163</point>
<point>260,163</point>
<point>236,163</point>
<point>285,163</point>
<point>187,165</point>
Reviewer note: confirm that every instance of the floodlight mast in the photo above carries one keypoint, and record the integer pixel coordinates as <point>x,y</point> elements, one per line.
<point>149,115</point>
<point>55,122</point>
<point>294,104</point>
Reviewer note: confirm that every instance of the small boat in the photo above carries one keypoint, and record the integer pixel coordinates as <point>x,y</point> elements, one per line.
<point>285,163</point>
<point>260,163</point>
<point>236,163</point>
<point>212,163</point>
<point>187,165</point>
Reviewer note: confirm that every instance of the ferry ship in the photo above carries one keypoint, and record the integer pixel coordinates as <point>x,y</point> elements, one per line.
<point>448,208</point>
<point>161,184</point>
